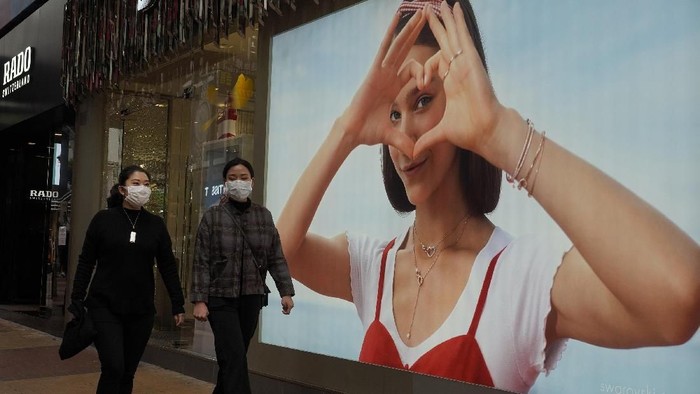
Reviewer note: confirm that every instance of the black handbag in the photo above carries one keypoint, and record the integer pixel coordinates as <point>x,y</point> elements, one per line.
<point>79,333</point>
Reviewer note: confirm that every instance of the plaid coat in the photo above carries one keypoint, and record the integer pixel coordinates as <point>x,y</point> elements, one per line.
<point>234,250</point>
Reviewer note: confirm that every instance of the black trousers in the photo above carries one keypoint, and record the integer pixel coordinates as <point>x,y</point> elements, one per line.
<point>120,342</point>
<point>233,322</point>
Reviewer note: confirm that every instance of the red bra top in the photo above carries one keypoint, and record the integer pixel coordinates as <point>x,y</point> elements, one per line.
<point>458,358</point>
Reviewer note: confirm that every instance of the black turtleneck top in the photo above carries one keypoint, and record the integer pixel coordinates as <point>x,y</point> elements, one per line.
<point>123,271</point>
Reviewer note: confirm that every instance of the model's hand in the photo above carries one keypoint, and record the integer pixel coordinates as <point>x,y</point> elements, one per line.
<point>201,311</point>
<point>367,120</point>
<point>287,304</point>
<point>179,319</point>
<point>472,111</point>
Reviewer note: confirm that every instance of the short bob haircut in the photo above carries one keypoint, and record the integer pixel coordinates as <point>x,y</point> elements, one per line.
<point>235,162</point>
<point>480,180</point>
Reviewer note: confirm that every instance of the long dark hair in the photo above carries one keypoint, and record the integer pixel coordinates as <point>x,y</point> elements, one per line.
<point>116,199</point>
<point>480,180</point>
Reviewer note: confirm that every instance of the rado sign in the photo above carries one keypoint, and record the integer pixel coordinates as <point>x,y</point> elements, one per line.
<point>15,72</point>
<point>43,194</point>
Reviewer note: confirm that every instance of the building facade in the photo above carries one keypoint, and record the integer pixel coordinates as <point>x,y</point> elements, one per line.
<point>37,131</point>
<point>180,87</point>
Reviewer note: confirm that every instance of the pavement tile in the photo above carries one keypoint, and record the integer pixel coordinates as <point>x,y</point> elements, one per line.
<point>43,361</point>
<point>69,384</point>
<point>29,363</point>
<point>26,339</point>
<point>149,380</point>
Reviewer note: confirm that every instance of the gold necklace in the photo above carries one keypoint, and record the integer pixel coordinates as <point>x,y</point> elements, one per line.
<point>421,277</point>
<point>430,250</point>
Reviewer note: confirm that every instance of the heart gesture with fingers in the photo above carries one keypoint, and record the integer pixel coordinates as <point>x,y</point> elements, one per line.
<point>366,120</point>
<point>472,110</point>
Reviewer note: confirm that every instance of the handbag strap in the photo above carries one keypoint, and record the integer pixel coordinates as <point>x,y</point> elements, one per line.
<point>227,209</point>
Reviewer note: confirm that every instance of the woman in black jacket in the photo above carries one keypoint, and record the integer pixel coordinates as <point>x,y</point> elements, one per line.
<point>121,245</point>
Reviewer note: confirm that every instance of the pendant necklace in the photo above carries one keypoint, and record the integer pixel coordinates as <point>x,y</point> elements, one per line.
<point>430,250</point>
<point>420,277</point>
<point>132,236</point>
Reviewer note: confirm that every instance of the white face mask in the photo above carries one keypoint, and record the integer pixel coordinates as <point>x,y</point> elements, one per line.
<point>138,195</point>
<point>239,190</point>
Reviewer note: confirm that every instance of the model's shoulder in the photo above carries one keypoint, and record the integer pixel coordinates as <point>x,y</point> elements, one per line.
<point>364,244</point>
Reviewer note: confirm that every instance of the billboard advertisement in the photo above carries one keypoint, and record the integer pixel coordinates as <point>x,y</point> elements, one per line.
<point>615,87</point>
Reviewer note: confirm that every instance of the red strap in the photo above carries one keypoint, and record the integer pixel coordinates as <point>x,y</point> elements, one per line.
<point>482,296</point>
<point>381,279</point>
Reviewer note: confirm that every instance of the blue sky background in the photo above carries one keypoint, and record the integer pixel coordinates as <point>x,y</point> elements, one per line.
<point>615,82</point>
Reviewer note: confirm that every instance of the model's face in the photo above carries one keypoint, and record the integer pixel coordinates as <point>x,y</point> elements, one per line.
<point>414,113</point>
<point>238,173</point>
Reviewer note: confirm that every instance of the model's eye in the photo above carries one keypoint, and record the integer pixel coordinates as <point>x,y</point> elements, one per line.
<point>395,116</point>
<point>423,101</point>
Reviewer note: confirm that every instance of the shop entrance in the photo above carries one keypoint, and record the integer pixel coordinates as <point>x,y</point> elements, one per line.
<point>35,213</point>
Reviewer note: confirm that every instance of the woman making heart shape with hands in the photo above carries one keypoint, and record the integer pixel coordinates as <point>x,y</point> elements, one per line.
<point>454,295</point>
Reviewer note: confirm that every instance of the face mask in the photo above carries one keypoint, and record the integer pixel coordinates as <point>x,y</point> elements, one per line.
<point>239,190</point>
<point>138,195</point>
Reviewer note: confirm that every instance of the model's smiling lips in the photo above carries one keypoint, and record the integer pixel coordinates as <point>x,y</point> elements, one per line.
<point>414,165</point>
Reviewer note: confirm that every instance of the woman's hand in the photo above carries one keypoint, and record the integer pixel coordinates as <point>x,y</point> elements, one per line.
<point>472,112</point>
<point>367,120</point>
<point>287,304</point>
<point>179,319</point>
<point>201,311</point>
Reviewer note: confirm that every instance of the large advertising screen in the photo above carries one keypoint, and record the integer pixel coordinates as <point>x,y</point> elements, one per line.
<point>615,83</point>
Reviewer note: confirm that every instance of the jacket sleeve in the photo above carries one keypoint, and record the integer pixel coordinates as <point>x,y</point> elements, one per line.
<point>167,266</point>
<point>200,265</point>
<point>277,263</point>
<point>86,260</point>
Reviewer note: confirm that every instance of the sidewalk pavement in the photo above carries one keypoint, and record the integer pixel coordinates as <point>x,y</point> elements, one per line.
<point>29,363</point>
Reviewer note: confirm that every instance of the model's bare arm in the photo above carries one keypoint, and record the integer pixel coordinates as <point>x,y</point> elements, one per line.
<point>320,263</point>
<point>633,277</point>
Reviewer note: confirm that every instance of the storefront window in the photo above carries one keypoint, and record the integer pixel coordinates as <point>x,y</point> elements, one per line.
<point>182,122</point>
<point>138,135</point>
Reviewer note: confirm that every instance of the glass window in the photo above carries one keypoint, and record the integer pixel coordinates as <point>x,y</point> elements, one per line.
<point>182,122</point>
